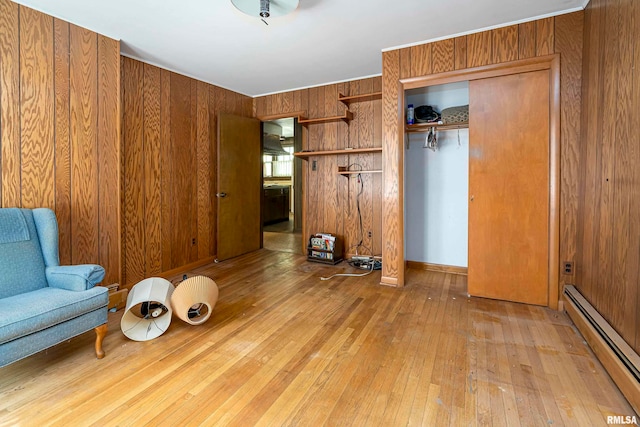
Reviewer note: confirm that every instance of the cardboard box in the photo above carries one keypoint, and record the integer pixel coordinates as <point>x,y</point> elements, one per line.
<point>118,299</point>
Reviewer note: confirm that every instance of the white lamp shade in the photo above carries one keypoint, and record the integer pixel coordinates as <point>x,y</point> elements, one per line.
<point>148,311</point>
<point>194,299</point>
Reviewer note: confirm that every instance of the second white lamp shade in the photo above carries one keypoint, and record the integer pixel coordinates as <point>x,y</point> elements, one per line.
<point>148,311</point>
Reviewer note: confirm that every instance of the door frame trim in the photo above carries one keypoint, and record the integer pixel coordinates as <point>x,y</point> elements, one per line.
<point>303,182</point>
<point>548,62</point>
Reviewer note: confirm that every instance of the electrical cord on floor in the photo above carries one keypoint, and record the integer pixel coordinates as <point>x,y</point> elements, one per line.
<point>347,275</point>
<point>371,265</point>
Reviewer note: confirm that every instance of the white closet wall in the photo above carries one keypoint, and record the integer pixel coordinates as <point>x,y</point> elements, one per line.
<point>437,185</point>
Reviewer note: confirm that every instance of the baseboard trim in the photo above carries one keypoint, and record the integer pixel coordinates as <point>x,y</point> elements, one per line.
<point>618,358</point>
<point>389,281</point>
<point>452,269</point>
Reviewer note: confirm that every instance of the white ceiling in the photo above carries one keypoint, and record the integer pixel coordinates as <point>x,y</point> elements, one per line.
<point>323,41</point>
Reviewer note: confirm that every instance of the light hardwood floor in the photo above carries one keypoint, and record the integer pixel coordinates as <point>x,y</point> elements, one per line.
<point>285,348</point>
<point>283,242</point>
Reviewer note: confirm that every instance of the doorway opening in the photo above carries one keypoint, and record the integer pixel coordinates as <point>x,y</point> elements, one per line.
<point>281,186</point>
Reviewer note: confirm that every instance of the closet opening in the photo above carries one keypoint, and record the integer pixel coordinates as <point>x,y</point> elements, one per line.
<point>512,169</point>
<point>436,176</point>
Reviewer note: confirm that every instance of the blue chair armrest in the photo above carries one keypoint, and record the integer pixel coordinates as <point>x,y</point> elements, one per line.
<point>74,277</point>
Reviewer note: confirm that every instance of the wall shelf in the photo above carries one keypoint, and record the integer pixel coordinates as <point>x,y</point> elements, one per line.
<point>348,115</point>
<point>348,99</point>
<point>347,173</point>
<point>425,127</point>
<point>306,154</point>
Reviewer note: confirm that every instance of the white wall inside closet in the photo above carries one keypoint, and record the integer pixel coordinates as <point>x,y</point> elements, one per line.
<point>437,184</point>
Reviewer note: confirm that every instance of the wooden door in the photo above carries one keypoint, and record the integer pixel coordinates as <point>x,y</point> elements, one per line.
<point>509,187</point>
<point>239,185</point>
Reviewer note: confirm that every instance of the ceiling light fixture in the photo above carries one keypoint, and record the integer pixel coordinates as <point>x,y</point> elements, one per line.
<point>266,8</point>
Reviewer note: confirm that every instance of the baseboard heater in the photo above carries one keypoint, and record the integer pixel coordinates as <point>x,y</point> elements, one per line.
<point>618,358</point>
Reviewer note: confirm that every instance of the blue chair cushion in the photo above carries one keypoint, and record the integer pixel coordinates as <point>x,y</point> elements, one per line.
<point>21,262</point>
<point>31,312</point>
<point>13,226</point>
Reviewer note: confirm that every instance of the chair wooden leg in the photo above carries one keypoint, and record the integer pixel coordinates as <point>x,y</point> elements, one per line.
<point>101,331</point>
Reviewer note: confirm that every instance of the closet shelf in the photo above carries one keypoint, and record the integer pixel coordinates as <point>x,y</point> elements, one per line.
<point>425,127</point>
<point>348,115</point>
<point>307,154</point>
<point>348,99</point>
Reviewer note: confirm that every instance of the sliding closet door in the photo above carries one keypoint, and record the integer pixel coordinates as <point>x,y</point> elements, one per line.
<point>509,187</point>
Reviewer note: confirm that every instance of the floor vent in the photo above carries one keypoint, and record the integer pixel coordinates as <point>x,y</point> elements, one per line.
<point>619,359</point>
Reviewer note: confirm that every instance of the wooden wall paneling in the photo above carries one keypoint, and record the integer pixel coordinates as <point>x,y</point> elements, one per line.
<point>405,62</point>
<point>9,104</point>
<point>259,106</point>
<point>568,43</point>
<point>84,163</point>
<point>322,161</point>
<point>626,251</point>
<point>376,219</point>
<point>216,100</point>
<point>36,110</point>
<point>166,171</point>
<point>133,153</point>
<point>329,200</point>
<point>544,36</point>
<point>354,161</point>
<point>504,44</point>
<point>59,125</point>
<point>193,151</point>
<point>269,105</point>
<point>421,61</point>
<point>108,132</point>
<point>608,208</point>
<point>62,139</point>
<point>443,56</point>
<point>248,106</point>
<point>297,100</point>
<point>181,161</point>
<point>392,169</point>
<point>203,159</point>
<point>152,171</point>
<point>313,180</point>
<point>229,101</point>
<point>304,106</point>
<point>633,257</point>
<point>237,99</point>
<point>591,109</point>
<point>365,126</point>
<point>479,49</point>
<point>607,291</point>
<point>240,104</point>
<point>342,184</point>
<point>460,52</point>
<point>527,40</point>
<point>288,101</point>
<point>277,102</point>
<point>232,102</point>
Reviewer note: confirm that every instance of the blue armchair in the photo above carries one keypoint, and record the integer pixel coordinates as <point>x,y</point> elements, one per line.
<point>41,302</point>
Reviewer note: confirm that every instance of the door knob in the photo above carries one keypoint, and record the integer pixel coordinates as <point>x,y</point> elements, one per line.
<point>221,195</point>
<point>472,198</point>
